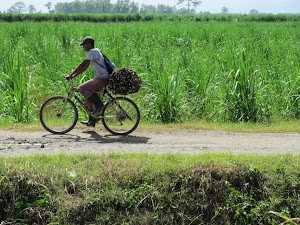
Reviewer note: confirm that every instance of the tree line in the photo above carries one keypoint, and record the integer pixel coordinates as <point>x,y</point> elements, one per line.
<point>120,7</point>
<point>105,6</point>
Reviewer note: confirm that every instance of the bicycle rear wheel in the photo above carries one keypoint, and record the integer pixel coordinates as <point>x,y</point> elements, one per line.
<point>58,116</point>
<point>121,116</point>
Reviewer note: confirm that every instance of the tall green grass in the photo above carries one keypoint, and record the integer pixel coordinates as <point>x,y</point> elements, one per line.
<point>17,96</point>
<point>220,71</point>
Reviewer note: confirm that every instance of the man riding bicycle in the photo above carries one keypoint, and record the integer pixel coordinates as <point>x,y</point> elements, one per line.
<point>88,88</point>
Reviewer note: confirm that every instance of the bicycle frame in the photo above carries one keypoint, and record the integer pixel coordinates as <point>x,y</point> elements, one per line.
<point>116,112</point>
<point>72,91</point>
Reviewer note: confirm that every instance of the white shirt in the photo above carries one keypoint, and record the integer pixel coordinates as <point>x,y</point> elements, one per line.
<point>97,62</point>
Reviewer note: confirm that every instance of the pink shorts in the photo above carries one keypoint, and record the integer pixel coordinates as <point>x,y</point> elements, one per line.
<point>90,86</point>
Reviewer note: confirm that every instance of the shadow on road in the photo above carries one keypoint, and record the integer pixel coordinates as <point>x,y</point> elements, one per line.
<point>117,138</point>
<point>96,137</point>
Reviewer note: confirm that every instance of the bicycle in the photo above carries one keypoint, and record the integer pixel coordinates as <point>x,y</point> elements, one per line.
<point>59,114</point>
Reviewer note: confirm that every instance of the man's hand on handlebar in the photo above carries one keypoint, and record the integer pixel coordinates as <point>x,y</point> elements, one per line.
<point>70,77</point>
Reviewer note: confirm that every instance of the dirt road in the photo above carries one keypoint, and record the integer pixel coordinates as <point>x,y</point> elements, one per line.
<point>19,143</point>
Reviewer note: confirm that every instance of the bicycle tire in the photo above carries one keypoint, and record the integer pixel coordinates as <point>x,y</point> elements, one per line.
<point>121,120</point>
<point>54,121</point>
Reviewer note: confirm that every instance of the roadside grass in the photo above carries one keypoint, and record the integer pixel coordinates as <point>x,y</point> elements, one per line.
<point>289,126</point>
<point>149,189</point>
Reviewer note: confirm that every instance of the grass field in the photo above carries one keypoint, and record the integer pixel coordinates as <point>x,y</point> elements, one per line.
<point>216,71</point>
<point>208,72</point>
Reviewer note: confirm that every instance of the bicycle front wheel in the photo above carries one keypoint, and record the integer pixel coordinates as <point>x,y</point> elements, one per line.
<point>58,115</point>
<point>121,116</point>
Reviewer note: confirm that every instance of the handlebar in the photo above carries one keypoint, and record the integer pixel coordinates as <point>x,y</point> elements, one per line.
<point>69,81</point>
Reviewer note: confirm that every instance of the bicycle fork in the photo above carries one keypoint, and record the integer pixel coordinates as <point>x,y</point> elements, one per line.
<point>122,111</point>
<point>64,106</point>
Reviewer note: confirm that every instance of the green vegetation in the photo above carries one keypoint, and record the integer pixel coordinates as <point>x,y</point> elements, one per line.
<point>217,71</point>
<point>227,69</point>
<point>121,17</point>
<point>149,189</point>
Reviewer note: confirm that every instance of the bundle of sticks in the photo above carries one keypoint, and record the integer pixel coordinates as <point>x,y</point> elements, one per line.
<point>124,81</point>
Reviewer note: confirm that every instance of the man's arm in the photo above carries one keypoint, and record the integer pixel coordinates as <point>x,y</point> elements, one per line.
<point>80,69</point>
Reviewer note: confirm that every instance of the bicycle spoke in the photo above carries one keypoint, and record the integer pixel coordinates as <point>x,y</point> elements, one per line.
<point>58,115</point>
<point>121,116</point>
